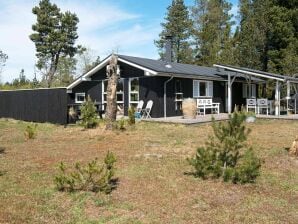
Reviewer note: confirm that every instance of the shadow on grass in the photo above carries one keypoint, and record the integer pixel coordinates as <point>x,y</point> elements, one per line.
<point>2,150</point>
<point>114,184</point>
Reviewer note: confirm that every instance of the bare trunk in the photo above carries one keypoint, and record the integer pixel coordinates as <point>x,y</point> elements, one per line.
<point>53,69</point>
<point>111,110</point>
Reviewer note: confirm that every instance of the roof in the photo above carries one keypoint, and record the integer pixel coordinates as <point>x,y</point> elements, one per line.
<point>162,68</point>
<point>256,73</point>
<point>173,68</point>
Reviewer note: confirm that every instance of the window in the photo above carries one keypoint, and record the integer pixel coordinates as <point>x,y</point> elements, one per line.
<point>120,96</point>
<point>80,97</point>
<point>133,91</point>
<point>202,88</point>
<point>245,91</point>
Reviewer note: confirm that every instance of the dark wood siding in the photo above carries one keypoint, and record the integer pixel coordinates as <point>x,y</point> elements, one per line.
<point>151,88</point>
<point>40,105</point>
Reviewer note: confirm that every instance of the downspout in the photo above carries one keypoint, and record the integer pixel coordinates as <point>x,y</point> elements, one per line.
<point>165,96</point>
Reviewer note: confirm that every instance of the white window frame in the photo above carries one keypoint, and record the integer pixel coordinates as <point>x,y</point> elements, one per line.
<point>133,92</point>
<point>105,93</point>
<point>80,94</point>
<point>209,88</point>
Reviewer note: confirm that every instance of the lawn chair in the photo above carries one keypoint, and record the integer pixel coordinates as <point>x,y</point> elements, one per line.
<point>147,110</point>
<point>263,104</point>
<point>251,104</point>
<point>139,109</point>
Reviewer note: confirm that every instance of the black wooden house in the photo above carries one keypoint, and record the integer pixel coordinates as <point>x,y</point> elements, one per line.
<point>164,82</point>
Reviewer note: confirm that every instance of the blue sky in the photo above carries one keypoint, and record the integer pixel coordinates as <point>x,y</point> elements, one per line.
<point>126,26</point>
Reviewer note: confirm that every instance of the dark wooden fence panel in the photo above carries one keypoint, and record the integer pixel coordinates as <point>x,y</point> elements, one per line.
<point>39,105</point>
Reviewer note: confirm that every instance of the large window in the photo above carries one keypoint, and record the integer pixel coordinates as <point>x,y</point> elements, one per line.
<point>202,88</point>
<point>133,91</point>
<point>253,91</point>
<point>120,95</point>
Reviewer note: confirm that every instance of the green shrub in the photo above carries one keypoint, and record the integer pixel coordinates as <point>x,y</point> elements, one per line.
<point>121,124</point>
<point>30,131</point>
<point>248,168</point>
<point>88,114</point>
<point>226,153</point>
<point>93,177</point>
<point>131,116</point>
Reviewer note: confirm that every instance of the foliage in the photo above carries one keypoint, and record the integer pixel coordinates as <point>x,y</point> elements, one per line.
<point>88,114</point>
<point>212,32</point>
<point>121,124</point>
<point>30,131</point>
<point>93,177</point>
<point>86,60</point>
<point>54,37</point>
<point>226,153</point>
<point>131,116</point>
<point>178,25</point>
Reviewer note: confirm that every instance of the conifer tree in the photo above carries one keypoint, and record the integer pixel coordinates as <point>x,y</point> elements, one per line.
<point>54,37</point>
<point>212,31</point>
<point>178,25</point>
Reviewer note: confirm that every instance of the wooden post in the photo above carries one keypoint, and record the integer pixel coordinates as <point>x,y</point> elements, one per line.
<point>288,95</point>
<point>249,88</point>
<point>229,93</point>
<point>277,99</point>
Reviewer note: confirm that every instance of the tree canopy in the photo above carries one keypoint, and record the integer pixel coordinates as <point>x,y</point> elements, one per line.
<point>54,36</point>
<point>264,37</point>
<point>178,25</point>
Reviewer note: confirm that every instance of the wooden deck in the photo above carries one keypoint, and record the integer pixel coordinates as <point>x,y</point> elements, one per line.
<point>218,117</point>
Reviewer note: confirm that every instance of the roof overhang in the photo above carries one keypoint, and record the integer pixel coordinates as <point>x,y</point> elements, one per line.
<point>186,76</point>
<point>257,73</point>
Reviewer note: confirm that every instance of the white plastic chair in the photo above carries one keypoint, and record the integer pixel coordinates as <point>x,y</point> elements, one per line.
<point>263,104</point>
<point>251,104</point>
<point>147,110</point>
<point>140,106</point>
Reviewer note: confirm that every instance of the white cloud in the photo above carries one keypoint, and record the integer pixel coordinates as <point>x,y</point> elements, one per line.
<point>103,27</point>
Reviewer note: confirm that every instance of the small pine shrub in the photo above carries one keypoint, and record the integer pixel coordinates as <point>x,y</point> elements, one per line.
<point>88,114</point>
<point>248,168</point>
<point>131,116</point>
<point>121,124</point>
<point>226,154</point>
<point>93,177</point>
<point>30,131</point>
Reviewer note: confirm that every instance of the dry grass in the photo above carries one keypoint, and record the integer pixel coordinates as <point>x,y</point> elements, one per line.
<point>152,185</point>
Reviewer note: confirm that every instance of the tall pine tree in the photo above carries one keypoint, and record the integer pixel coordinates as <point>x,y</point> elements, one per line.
<point>54,36</point>
<point>212,32</point>
<point>178,25</point>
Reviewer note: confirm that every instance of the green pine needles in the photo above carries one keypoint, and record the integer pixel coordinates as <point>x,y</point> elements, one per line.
<point>95,177</point>
<point>226,154</point>
<point>88,114</point>
<point>30,131</point>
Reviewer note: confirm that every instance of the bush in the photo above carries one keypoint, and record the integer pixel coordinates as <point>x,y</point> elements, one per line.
<point>131,116</point>
<point>30,131</point>
<point>121,124</point>
<point>226,153</point>
<point>88,114</point>
<point>93,177</point>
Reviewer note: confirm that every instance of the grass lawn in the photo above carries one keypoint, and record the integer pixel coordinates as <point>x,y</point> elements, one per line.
<point>152,185</point>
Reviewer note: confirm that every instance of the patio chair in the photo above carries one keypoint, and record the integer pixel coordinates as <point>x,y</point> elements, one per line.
<point>140,106</point>
<point>139,109</point>
<point>146,112</point>
<point>251,104</point>
<point>263,104</point>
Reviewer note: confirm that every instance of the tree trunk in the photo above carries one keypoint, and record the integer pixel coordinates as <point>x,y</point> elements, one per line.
<point>112,76</point>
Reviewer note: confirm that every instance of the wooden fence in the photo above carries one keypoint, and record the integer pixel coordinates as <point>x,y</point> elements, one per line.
<point>37,105</point>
